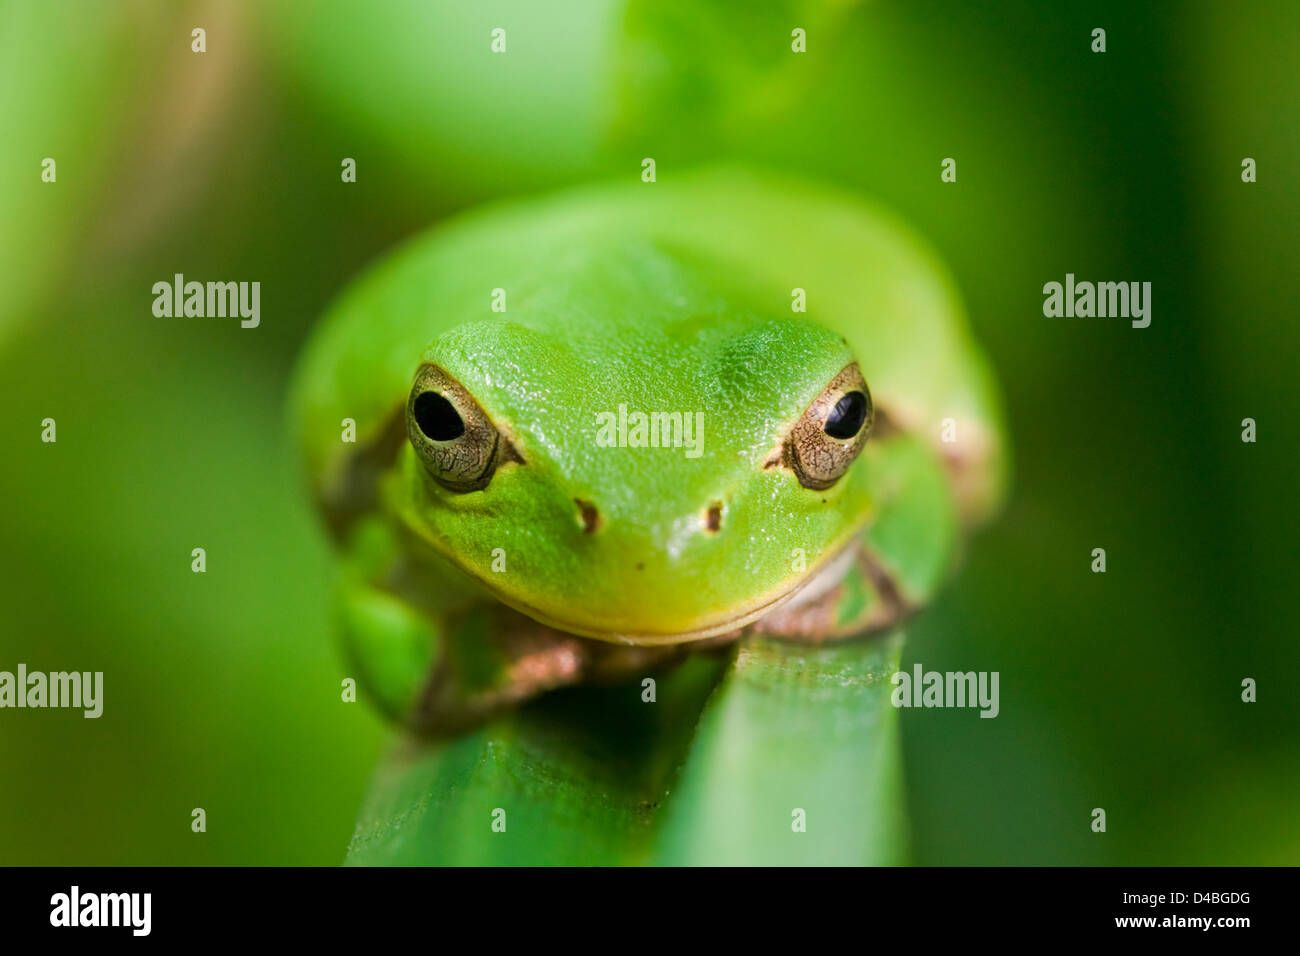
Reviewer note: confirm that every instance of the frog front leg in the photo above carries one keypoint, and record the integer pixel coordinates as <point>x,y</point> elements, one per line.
<point>389,646</point>
<point>443,674</point>
<point>496,658</point>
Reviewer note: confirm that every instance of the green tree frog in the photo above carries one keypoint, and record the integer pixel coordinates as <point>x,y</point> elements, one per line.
<point>572,438</point>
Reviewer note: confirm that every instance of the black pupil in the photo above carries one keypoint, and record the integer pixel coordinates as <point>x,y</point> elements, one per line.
<point>847,416</point>
<point>437,417</point>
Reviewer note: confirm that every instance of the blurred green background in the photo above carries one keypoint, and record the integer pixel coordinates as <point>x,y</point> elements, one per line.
<point>1119,691</point>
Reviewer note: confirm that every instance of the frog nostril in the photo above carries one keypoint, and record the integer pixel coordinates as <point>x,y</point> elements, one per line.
<point>713,517</point>
<point>588,514</point>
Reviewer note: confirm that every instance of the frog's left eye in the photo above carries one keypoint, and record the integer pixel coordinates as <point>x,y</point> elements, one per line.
<point>453,436</point>
<point>831,432</point>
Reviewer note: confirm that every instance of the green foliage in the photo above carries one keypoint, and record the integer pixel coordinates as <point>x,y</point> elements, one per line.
<point>710,772</point>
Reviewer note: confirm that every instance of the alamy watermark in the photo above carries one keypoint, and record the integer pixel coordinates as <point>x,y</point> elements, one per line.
<point>923,688</point>
<point>179,298</point>
<point>624,429</point>
<point>76,908</point>
<point>75,689</point>
<point>1104,300</point>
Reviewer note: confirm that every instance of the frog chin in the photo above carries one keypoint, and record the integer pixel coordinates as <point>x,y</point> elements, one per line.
<point>805,589</point>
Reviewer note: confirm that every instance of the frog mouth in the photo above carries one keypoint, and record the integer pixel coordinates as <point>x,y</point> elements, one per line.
<point>807,589</point>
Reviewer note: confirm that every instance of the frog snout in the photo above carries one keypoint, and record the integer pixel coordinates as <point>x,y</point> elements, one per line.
<point>592,520</point>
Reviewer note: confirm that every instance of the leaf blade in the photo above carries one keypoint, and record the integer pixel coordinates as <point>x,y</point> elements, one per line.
<point>791,728</point>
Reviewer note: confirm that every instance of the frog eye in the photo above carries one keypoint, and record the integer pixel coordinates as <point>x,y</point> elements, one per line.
<point>450,432</point>
<point>831,432</point>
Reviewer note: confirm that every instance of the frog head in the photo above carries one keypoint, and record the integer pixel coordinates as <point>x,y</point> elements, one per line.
<point>665,473</point>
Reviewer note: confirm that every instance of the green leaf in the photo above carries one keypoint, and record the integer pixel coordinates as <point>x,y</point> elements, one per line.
<point>793,729</point>
<point>709,773</point>
<point>578,775</point>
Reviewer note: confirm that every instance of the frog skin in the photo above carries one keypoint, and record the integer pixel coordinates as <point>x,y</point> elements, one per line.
<point>494,545</point>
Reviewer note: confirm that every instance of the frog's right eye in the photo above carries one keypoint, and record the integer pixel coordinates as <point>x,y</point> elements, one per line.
<point>450,432</point>
<point>831,432</point>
